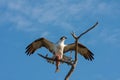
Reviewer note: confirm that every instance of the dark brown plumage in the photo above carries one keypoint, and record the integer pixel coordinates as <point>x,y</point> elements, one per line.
<point>84,51</point>
<point>42,42</point>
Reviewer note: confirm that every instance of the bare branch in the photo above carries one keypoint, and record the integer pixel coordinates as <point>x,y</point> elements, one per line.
<point>76,50</point>
<point>63,61</point>
<point>88,30</point>
<point>76,58</point>
<point>70,72</point>
<point>73,34</point>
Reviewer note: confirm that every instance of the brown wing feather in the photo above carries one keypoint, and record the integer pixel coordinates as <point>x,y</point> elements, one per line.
<point>84,51</point>
<point>42,42</point>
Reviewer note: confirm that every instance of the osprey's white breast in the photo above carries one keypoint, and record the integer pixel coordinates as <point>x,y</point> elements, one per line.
<point>59,47</point>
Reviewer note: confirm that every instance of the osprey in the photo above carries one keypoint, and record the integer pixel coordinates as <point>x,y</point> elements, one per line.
<point>58,49</point>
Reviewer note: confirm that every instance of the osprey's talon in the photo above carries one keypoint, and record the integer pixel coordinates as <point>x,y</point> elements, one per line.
<point>57,70</point>
<point>50,61</point>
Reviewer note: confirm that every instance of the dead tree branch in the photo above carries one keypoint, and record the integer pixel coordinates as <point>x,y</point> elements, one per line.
<point>76,58</point>
<point>48,58</point>
<point>88,30</point>
<point>76,50</point>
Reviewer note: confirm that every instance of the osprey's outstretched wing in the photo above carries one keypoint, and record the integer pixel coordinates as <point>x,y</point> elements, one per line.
<point>41,42</point>
<point>81,49</point>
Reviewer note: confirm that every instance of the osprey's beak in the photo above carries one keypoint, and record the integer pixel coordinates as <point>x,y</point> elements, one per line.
<point>65,37</point>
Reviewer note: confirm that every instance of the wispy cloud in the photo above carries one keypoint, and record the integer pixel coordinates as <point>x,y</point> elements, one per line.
<point>45,34</point>
<point>111,36</point>
<point>27,16</point>
<point>104,36</point>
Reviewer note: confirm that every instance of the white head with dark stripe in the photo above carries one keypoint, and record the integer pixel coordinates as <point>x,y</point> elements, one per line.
<point>63,38</point>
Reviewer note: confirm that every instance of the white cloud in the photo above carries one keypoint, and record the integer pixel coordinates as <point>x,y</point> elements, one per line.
<point>107,36</point>
<point>111,36</point>
<point>44,34</point>
<point>26,14</point>
<point>109,8</point>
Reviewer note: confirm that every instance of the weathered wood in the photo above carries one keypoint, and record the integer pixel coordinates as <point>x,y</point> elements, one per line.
<point>48,58</point>
<point>76,50</point>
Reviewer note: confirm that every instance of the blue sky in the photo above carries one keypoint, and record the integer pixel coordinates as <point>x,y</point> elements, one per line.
<point>23,21</point>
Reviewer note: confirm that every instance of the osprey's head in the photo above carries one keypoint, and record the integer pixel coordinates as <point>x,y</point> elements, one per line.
<point>63,38</point>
